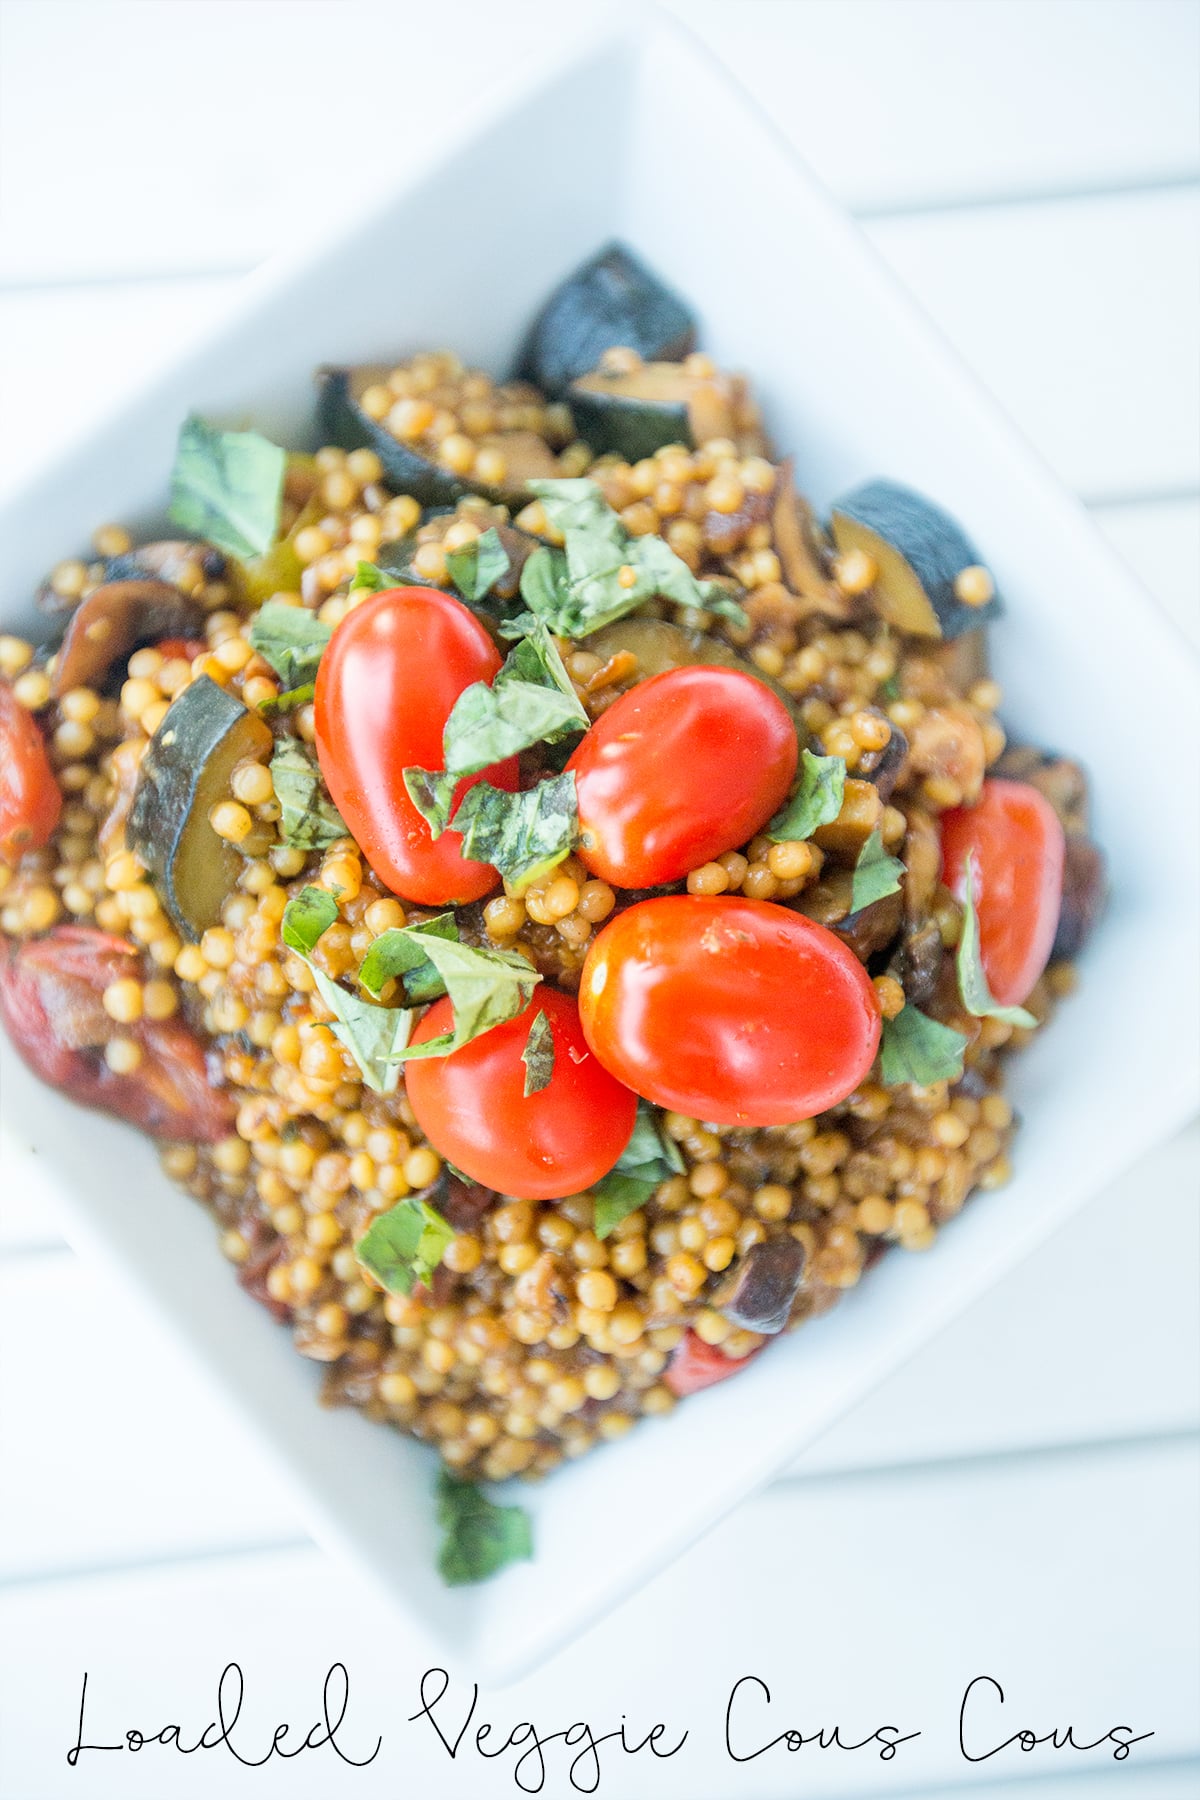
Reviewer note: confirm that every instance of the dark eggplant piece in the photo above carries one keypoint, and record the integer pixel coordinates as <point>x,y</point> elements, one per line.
<point>918,963</point>
<point>51,1003</point>
<point>882,767</point>
<point>342,420</point>
<point>660,645</point>
<point>862,810</point>
<point>801,552</point>
<point>181,562</point>
<point>634,412</point>
<point>185,772</point>
<point>765,1282</point>
<point>869,930</point>
<point>1085,891</point>
<point>611,299</point>
<point>920,554</point>
<point>113,621</point>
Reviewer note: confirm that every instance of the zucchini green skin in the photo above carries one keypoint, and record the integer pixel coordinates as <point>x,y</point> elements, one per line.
<point>928,540</point>
<point>184,773</point>
<point>341,421</point>
<point>631,428</point>
<point>613,298</point>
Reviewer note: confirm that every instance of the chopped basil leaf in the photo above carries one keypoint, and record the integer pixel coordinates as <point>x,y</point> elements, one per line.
<point>304,919</point>
<point>538,1055</point>
<point>603,572</point>
<point>374,1035</point>
<point>815,800</point>
<point>400,953</point>
<point>890,689</point>
<point>919,1050</point>
<point>486,988</point>
<point>480,1538</point>
<point>292,639</point>
<point>531,701</point>
<point>479,565</point>
<point>226,486</point>
<point>972,981</point>
<point>287,702</point>
<point>876,874</point>
<point>432,793</point>
<point>310,820</point>
<point>647,1160</point>
<point>523,835</point>
<point>368,579</point>
<point>404,1245</point>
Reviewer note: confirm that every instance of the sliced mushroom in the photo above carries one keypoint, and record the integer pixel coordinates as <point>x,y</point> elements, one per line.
<point>114,620</point>
<point>882,767</point>
<point>919,962</point>
<point>760,1293</point>
<point>801,553</point>
<point>180,561</point>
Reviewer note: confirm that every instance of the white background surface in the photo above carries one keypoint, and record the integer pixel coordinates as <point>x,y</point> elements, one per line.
<point>1021,1500</point>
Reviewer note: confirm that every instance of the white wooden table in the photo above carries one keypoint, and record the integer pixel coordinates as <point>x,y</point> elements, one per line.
<point>1021,1499</point>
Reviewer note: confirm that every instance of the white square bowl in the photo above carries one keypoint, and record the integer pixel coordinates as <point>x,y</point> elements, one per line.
<point>641,137</point>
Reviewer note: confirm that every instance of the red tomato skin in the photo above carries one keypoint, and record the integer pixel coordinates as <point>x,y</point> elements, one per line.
<point>386,686</point>
<point>695,1365</point>
<point>1015,843</point>
<point>739,1012</point>
<point>682,767</point>
<point>30,798</point>
<point>472,1105</point>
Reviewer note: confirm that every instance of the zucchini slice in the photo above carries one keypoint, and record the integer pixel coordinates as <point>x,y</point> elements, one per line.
<point>185,772</point>
<point>633,412</point>
<point>341,419</point>
<point>919,552</point>
<point>611,299</point>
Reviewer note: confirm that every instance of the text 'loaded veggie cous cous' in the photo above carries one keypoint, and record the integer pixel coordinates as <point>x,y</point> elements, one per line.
<point>563,908</point>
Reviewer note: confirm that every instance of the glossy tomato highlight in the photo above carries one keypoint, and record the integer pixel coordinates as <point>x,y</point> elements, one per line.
<point>386,686</point>
<point>736,1011</point>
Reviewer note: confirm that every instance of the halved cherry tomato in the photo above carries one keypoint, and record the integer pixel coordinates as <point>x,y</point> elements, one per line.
<point>682,767</point>
<point>385,688</point>
<point>30,798</point>
<point>695,1365</point>
<point>735,1011</point>
<point>472,1106</point>
<point>1015,844</point>
<point>51,991</point>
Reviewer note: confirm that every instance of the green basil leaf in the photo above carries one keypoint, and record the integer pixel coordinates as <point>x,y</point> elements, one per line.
<point>226,486</point>
<point>604,572</point>
<point>369,579</point>
<point>479,1537</point>
<point>399,953</point>
<point>289,701</point>
<point>310,820</point>
<point>876,874</point>
<point>815,800</point>
<point>479,565</point>
<point>538,1055</point>
<point>304,919</point>
<point>404,1245</point>
<point>432,793</point>
<point>292,639</point>
<point>374,1035</point>
<point>523,835</point>
<point>648,1159</point>
<point>919,1050</point>
<point>486,988</point>
<point>972,981</point>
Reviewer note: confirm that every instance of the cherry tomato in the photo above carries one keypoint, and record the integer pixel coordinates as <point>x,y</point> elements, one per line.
<point>735,1011</point>
<point>680,768</point>
<point>51,992</point>
<point>695,1365</point>
<point>30,799</point>
<point>385,688</point>
<point>472,1106</point>
<point>1014,842</point>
